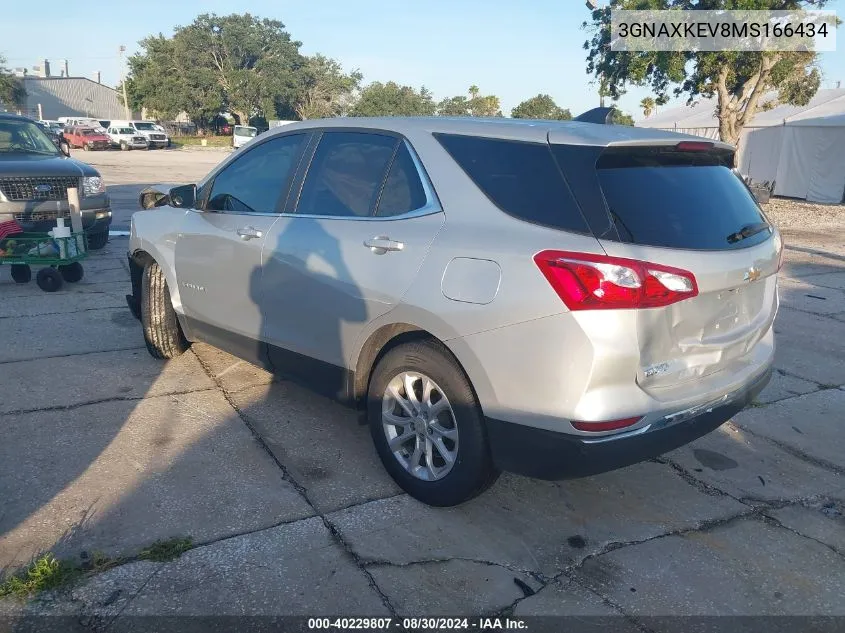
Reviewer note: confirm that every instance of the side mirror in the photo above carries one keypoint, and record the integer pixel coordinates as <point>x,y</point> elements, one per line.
<point>152,198</point>
<point>64,148</point>
<point>183,197</point>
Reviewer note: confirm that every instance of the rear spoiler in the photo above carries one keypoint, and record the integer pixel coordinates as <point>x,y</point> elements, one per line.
<point>602,116</point>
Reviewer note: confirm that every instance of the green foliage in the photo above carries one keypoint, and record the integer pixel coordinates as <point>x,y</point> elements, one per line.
<point>326,90</point>
<point>44,573</point>
<point>648,106</point>
<point>12,91</point>
<point>165,550</point>
<point>541,107</point>
<point>391,99</point>
<point>474,105</point>
<point>622,118</point>
<point>739,78</point>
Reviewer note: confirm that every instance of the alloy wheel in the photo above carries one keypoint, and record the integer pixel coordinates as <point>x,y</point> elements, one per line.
<point>420,426</point>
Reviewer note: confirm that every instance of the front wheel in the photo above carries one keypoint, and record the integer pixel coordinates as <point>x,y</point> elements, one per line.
<point>72,273</point>
<point>427,426</point>
<point>49,279</point>
<point>96,241</point>
<point>86,147</point>
<point>124,147</point>
<point>162,334</point>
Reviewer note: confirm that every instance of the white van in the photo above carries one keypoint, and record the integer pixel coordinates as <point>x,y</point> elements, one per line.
<point>155,134</point>
<point>243,134</point>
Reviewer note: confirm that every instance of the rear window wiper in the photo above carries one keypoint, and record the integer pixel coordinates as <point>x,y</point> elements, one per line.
<point>747,231</point>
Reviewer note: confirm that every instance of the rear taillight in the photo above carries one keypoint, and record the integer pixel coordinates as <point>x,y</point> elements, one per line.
<point>611,425</point>
<point>597,282</point>
<point>694,146</point>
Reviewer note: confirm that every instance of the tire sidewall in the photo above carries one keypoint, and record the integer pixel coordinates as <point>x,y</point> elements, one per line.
<point>473,465</point>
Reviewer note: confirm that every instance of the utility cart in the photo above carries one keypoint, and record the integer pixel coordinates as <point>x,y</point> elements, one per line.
<point>58,258</point>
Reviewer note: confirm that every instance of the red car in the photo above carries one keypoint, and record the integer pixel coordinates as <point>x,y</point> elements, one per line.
<point>87,138</point>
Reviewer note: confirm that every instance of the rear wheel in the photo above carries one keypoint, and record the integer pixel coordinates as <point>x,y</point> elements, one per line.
<point>48,279</point>
<point>162,333</point>
<point>427,426</point>
<point>21,273</point>
<point>72,273</point>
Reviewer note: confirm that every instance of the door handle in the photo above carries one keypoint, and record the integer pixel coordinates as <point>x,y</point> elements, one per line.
<point>248,233</point>
<point>381,244</point>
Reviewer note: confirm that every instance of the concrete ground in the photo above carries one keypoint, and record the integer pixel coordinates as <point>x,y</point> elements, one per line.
<point>105,451</point>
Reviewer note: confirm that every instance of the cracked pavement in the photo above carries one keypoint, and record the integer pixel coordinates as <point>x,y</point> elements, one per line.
<point>107,450</point>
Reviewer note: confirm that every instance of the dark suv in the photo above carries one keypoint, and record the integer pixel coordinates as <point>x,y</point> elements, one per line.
<point>35,177</point>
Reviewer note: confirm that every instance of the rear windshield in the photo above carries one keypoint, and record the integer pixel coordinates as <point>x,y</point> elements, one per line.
<point>245,131</point>
<point>689,200</point>
<point>143,125</point>
<point>520,178</point>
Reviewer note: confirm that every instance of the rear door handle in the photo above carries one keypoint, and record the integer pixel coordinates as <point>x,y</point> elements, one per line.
<point>248,233</point>
<point>381,244</point>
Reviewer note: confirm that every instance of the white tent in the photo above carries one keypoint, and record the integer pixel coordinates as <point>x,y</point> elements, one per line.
<point>800,148</point>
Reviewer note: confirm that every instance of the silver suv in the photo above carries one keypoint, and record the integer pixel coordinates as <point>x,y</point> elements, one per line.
<point>554,299</point>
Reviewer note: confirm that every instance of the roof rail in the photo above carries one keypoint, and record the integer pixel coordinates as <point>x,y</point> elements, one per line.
<point>602,116</point>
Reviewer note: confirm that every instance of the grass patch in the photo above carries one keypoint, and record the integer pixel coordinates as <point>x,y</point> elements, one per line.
<point>163,551</point>
<point>211,141</point>
<point>46,572</point>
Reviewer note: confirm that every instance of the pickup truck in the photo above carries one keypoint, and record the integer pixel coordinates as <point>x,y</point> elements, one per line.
<point>87,138</point>
<point>127,138</point>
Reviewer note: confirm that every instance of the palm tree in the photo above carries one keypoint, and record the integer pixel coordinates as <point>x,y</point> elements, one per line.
<point>647,105</point>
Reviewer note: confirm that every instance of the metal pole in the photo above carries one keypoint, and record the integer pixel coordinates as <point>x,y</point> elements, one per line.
<point>123,85</point>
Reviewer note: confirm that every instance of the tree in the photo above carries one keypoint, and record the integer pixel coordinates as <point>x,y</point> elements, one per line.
<point>326,90</point>
<point>474,105</point>
<point>12,90</point>
<point>540,107</point>
<point>647,105</point>
<point>391,99</point>
<point>739,79</point>
<point>253,61</point>
<point>622,118</point>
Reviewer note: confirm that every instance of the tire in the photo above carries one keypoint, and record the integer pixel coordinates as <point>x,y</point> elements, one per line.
<point>49,279</point>
<point>21,273</point>
<point>96,241</point>
<point>162,334</point>
<point>72,273</point>
<point>86,147</point>
<point>472,470</point>
<point>123,146</point>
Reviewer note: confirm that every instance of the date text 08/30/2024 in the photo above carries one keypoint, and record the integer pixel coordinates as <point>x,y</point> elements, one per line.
<point>431,624</point>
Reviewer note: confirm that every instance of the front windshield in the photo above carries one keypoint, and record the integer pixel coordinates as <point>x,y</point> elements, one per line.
<point>145,126</point>
<point>24,137</point>
<point>126,130</point>
<point>87,132</point>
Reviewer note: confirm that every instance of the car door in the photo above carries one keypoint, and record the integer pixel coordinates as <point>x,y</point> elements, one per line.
<point>362,225</point>
<point>218,250</point>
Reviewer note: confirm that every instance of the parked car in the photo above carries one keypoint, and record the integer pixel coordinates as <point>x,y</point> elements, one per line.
<point>82,122</point>
<point>35,177</point>
<point>105,124</point>
<point>155,134</point>
<point>556,299</point>
<point>243,134</point>
<point>127,138</point>
<point>87,138</point>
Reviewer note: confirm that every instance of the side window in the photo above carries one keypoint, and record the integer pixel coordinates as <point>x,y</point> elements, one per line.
<point>255,181</point>
<point>403,190</point>
<point>346,174</point>
<point>520,178</point>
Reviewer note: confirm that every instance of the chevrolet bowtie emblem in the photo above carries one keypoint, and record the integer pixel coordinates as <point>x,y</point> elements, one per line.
<point>752,274</point>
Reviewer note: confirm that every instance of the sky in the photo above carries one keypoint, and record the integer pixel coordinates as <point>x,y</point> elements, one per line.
<point>505,48</point>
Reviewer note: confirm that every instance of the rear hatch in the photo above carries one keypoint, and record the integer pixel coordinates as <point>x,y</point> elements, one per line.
<point>680,205</point>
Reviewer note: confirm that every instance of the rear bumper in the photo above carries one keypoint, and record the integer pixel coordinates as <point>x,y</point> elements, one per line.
<point>551,455</point>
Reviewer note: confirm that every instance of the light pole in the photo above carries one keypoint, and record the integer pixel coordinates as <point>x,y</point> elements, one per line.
<point>122,50</point>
